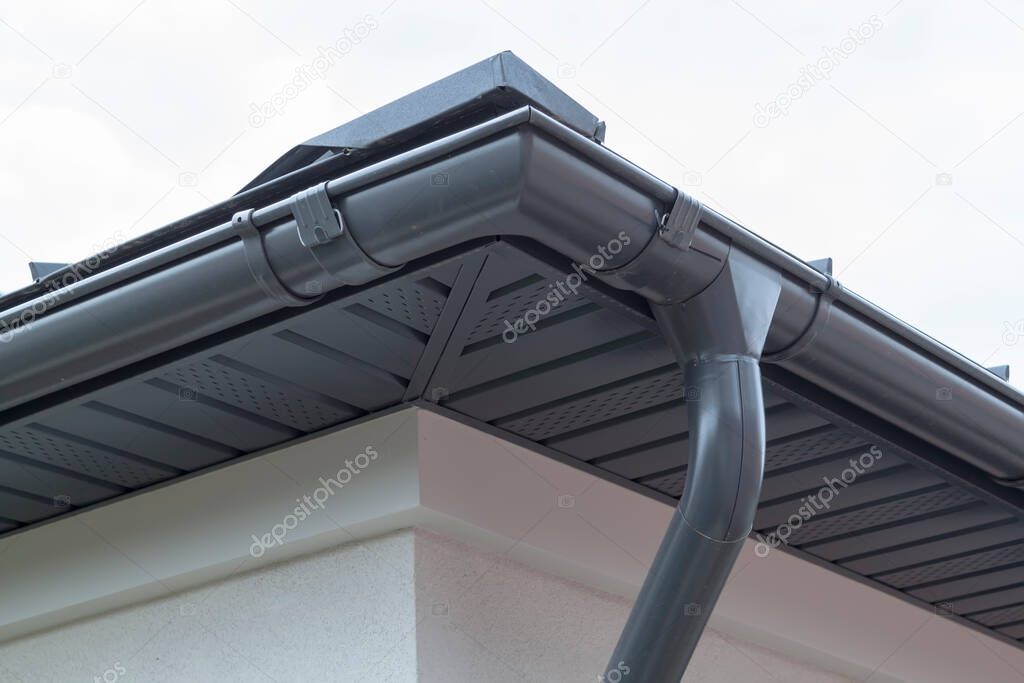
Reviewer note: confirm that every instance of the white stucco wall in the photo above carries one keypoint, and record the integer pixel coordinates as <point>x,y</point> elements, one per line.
<point>409,606</point>
<point>484,617</point>
<point>346,614</point>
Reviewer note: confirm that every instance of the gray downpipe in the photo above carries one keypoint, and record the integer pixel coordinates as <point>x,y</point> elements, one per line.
<point>717,338</point>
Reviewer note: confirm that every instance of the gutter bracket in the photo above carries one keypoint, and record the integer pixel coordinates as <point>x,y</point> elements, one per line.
<point>322,230</point>
<point>43,269</point>
<point>717,337</point>
<point>259,265</point>
<point>1001,371</point>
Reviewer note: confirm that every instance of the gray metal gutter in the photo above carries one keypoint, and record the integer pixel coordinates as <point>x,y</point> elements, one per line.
<point>205,284</point>
<point>526,175</point>
<point>499,84</point>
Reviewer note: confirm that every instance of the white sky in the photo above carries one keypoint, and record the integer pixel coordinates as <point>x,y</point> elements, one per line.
<point>118,117</point>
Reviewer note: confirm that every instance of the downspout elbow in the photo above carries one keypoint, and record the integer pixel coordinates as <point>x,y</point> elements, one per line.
<point>727,435</point>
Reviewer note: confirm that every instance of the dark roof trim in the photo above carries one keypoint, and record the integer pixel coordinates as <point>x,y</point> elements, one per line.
<point>498,84</point>
<point>538,179</point>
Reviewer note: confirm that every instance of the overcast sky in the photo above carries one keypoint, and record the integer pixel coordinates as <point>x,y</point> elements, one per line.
<point>885,135</point>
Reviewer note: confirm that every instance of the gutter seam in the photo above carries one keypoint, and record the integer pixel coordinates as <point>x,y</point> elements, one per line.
<point>820,318</point>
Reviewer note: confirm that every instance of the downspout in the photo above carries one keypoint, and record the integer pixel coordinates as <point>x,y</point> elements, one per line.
<point>717,337</point>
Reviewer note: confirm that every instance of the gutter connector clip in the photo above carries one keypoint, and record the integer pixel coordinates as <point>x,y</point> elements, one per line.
<point>679,225</point>
<point>316,219</point>
<point>678,262</point>
<point>321,229</point>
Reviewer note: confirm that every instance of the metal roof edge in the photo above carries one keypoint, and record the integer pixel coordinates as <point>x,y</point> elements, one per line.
<point>361,194</point>
<point>498,84</point>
